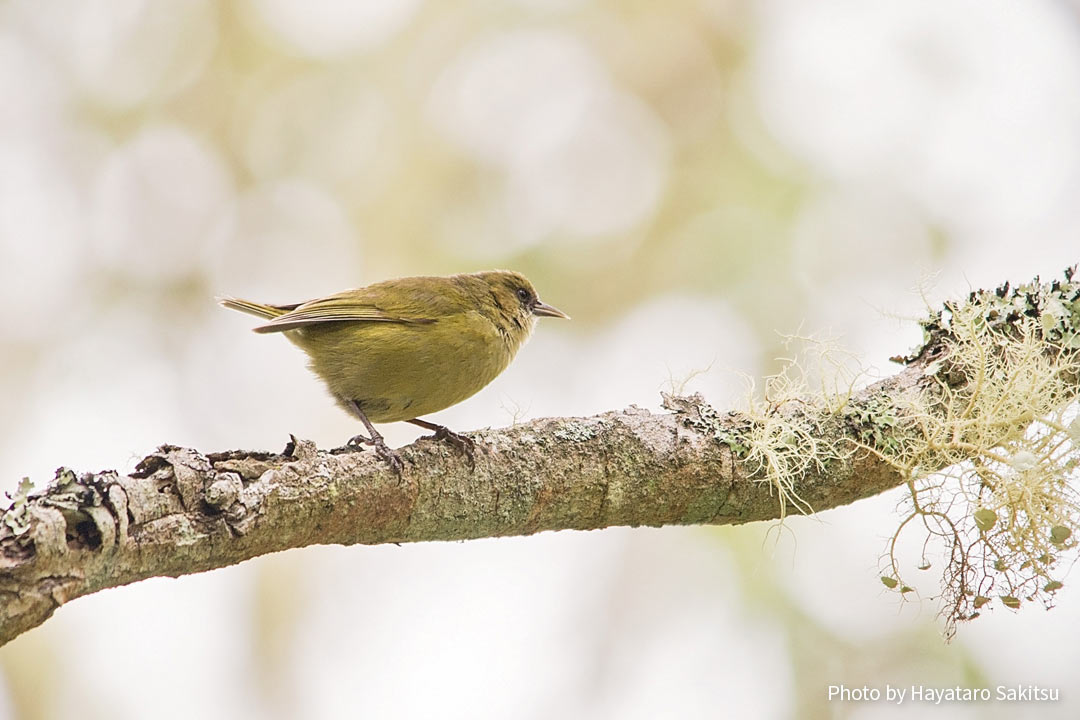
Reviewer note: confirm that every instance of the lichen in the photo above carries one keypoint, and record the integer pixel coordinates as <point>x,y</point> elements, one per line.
<point>575,431</point>
<point>17,519</point>
<point>698,415</point>
<point>787,437</point>
<point>876,422</point>
<point>988,441</point>
<point>780,435</point>
<point>991,455</point>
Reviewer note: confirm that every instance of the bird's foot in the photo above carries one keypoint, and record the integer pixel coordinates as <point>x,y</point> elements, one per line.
<point>391,457</point>
<point>464,444</point>
<point>382,450</point>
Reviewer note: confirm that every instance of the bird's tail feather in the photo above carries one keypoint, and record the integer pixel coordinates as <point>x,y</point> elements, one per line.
<point>252,308</point>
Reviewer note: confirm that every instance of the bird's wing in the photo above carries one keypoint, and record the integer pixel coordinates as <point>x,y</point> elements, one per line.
<point>343,307</point>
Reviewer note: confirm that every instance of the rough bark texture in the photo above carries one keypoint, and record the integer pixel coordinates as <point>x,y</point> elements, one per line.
<point>184,512</point>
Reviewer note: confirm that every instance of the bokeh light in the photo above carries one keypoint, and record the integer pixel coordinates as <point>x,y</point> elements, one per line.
<point>692,181</point>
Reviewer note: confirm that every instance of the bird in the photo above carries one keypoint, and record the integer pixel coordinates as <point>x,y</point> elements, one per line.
<point>404,348</point>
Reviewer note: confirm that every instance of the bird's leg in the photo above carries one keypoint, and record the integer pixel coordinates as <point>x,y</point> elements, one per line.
<point>375,440</point>
<point>465,445</point>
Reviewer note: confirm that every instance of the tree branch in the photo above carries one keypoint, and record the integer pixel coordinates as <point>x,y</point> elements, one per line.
<point>184,512</point>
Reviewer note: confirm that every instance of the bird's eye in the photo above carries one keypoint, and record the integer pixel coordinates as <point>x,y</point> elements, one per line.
<point>523,295</point>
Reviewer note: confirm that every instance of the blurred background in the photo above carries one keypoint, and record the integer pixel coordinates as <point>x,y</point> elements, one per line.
<point>689,180</point>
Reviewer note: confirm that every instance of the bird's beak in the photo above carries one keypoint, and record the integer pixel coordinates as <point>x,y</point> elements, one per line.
<point>544,310</point>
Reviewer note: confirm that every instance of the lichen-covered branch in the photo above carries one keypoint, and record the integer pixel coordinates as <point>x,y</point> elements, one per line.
<point>183,511</point>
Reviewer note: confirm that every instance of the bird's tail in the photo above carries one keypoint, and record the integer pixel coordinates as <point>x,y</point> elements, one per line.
<point>268,312</point>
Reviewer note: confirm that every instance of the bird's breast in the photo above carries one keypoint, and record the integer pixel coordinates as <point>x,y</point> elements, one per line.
<point>399,371</point>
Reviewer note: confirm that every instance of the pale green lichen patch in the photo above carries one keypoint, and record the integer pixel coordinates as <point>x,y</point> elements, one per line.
<point>877,422</point>
<point>17,519</point>
<point>1052,310</point>
<point>575,431</point>
<point>699,415</point>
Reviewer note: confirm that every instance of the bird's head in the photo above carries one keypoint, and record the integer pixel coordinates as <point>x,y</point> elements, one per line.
<point>515,301</point>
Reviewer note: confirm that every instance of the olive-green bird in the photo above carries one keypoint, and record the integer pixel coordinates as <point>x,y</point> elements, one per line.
<point>400,349</point>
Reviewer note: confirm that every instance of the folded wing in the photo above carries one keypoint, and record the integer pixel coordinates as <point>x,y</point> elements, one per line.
<point>335,309</point>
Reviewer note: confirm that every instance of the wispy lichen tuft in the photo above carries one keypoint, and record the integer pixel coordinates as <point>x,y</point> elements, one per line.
<point>990,449</point>
<point>988,441</point>
<point>780,436</point>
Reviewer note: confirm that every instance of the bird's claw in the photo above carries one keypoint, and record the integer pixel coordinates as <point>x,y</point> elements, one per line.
<point>357,442</point>
<point>464,444</point>
<point>382,451</point>
<point>392,458</point>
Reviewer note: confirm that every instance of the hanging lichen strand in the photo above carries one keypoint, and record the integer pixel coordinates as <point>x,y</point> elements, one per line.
<point>987,441</point>
<point>991,447</point>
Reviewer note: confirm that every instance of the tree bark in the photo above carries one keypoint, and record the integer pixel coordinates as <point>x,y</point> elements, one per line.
<point>184,512</point>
